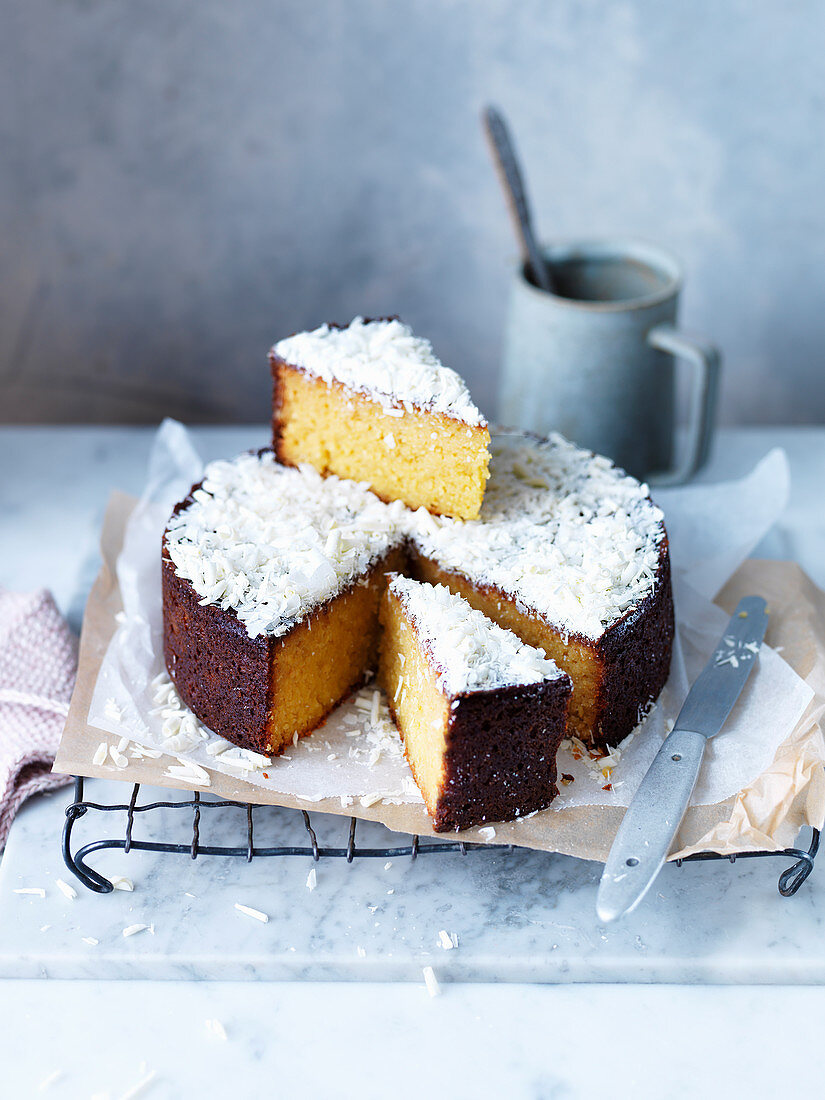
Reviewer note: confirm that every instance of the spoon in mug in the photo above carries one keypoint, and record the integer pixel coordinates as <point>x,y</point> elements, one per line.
<point>512,181</point>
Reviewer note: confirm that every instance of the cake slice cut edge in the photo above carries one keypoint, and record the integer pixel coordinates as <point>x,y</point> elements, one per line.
<point>371,402</point>
<point>481,714</point>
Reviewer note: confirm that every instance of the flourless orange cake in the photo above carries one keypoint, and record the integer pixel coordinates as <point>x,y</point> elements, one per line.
<point>370,401</point>
<point>480,713</point>
<point>272,577</point>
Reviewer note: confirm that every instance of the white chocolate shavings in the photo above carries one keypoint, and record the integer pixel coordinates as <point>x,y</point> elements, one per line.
<point>566,534</point>
<point>487,833</point>
<point>65,889</point>
<point>34,891</point>
<point>470,652</point>
<point>274,542</point>
<point>447,940</point>
<point>312,879</point>
<point>383,360</point>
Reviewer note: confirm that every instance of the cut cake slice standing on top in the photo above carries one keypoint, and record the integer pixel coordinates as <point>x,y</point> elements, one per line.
<point>371,402</point>
<point>480,713</point>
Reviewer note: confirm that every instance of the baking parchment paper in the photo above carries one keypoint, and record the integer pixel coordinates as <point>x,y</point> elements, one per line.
<point>761,781</point>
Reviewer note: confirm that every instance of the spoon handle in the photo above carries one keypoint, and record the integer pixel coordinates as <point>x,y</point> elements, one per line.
<point>513,183</point>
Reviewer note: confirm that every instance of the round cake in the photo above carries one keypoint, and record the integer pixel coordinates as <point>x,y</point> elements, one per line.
<point>273,576</point>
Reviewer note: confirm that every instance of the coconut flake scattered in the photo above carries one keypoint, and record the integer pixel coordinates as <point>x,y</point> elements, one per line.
<point>487,833</point>
<point>52,1079</point>
<point>216,1028</point>
<point>250,912</point>
<point>140,1086</point>
<point>431,981</point>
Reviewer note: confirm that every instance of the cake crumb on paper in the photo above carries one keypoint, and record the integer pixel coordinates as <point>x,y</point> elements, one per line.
<point>430,981</point>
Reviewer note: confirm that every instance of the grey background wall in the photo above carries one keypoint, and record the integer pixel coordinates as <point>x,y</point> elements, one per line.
<point>182,183</point>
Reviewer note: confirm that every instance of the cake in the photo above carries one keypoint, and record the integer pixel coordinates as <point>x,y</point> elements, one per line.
<point>272,577</point>
<point>481,714</point>
<point>371,402</point>
<point>571,555</point>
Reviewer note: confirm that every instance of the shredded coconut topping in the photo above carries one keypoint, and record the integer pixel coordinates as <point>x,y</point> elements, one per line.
<point>470,652</point>
<point>274,542</point>
<point>571,538</point>
<point>385,361</point>
<point>567,535</point>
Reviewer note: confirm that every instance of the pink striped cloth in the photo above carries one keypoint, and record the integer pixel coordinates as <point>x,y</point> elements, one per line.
<point>38,664</point>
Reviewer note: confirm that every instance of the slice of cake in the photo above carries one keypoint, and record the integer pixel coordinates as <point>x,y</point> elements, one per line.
<point>571,555</point>
<point>272,578</point>
<point>371,402</point>
<point>480,713</point>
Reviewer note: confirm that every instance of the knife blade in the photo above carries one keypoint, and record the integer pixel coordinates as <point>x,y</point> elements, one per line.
<point>655,814</point>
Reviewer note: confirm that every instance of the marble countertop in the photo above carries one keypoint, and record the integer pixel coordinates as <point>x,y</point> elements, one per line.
<point>520,919</point>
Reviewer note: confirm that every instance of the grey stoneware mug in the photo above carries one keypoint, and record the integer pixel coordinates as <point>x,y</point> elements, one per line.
<point>595,359</point>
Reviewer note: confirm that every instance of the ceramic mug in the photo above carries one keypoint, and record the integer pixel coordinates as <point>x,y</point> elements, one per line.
<point>595,359</point>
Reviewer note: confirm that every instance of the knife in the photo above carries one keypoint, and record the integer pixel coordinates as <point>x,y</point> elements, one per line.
<point>655,814</point>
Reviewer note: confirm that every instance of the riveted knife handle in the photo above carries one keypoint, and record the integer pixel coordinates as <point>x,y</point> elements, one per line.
<point>650,824</point>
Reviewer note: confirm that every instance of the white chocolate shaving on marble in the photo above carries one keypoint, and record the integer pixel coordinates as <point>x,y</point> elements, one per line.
<point>470,652</point>
<point>383,360</point>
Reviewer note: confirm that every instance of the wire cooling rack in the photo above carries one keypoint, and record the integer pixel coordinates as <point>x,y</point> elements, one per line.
<point>789,881</point>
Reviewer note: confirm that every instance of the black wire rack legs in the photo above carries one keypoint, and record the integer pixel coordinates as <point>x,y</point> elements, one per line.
<point>789,881</point>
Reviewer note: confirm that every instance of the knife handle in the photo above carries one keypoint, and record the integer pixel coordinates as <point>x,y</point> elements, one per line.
<point>650,824</point>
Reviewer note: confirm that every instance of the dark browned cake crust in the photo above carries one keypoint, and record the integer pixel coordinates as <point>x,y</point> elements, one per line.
<point>636,653</point>
<point>220,673</point>
<point>500,761</point>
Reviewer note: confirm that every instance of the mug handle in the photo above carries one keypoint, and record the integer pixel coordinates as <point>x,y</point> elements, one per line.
<point>706,362</point>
